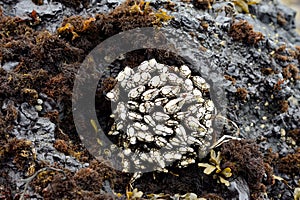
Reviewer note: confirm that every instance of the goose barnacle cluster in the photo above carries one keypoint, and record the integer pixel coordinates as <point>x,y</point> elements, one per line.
<point>155,107</point>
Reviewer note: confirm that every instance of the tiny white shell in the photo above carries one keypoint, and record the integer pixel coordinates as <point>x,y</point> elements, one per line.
<point>140,126</point>
<point>175,141</point>
<point>136,77</point>
<point>146,107</point>
<point>136,92</point>
<point>208,123</point>
<point>135,116</point>
<point>197,92</point>
<point>152,63</point>
<point>163,130</point>
<point>185,71</point>
<point>193,124</point>
<point>160,116</point>
<point>161,101</point>
<point>174,79</point>
<point>170,91</point>
<point>198,81</point>
<point>174,105</point>
<point>193,140</point>
<point>182,115</point>
<point>132,105</point>
<point>127,151</point>
<point>150,94</point>
<point>171,122</point>
<point>188,85</point>
<point>121,76</point>
<point>114,94</point>
<point>132,140</point>
<point>172,156</point>
<point>209,105</point>
<point>154,82</point>
<point>143,66</point>
<point>149,120</point>
<point>130,131</point>
<point>128,71</point>
<point>181,133</point>
<point>113,133</point>
<point>161,141</point>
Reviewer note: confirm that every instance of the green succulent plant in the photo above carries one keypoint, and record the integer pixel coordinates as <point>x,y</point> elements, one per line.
<point>214,166</point>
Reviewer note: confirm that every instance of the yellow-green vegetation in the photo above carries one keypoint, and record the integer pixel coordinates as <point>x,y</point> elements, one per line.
<point>140,8</point>
<point>135,194</point>
<point>143,8</point>
<point>297,194</point>
<point>68,28</point>
<point>214,166</point>
<point>243,5</point>
<point>162,16</point>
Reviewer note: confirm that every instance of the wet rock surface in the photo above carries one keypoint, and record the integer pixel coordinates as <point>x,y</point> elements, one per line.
<point>260,65</point>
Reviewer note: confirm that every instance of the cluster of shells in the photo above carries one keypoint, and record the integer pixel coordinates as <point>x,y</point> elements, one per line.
<point>162,114</point>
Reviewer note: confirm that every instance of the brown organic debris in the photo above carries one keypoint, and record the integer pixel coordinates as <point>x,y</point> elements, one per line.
<point>290,164</point>
<point>295,134</point>
<point>283,105</point>
<point>230,78</point>
<point>267,71</point>
<point>21,151</point>
<point>203,4</point>
<point>245,159</point>
<point>242,93</point>
<point>291,71</point>
<point>243,31</point>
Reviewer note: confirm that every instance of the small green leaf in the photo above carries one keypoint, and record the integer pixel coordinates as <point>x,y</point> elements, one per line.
<point>222,180</point>
<point>227,172</point>
<point>208,168</point>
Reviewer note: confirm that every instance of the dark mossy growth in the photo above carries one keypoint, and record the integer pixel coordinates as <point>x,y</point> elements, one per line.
<point>7,117</point>
<point>22,86</point>
<point>271,157</point>
<point>103,168</point>
<point>61,146</point>
<point>86,183</point>
<point>179,181</point>
<point>203,4</point>
<point>297,53</point>
<point>267,71</point>
<point>61,188</point>
<point>88,179</point>
<point>109,84</point>
<point>33,50</point>
<point>212,197</point>
<point>5,185</point>
<point>92,31</point>
<point>246,160</point>
<point>20,151</point>
<point>290,164</point>
<point>243,31</point>
<point>295,134</point>
<point>13,27</point>
<point>283,105</point>
<point>38,2</point>
<point>284,54</point>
